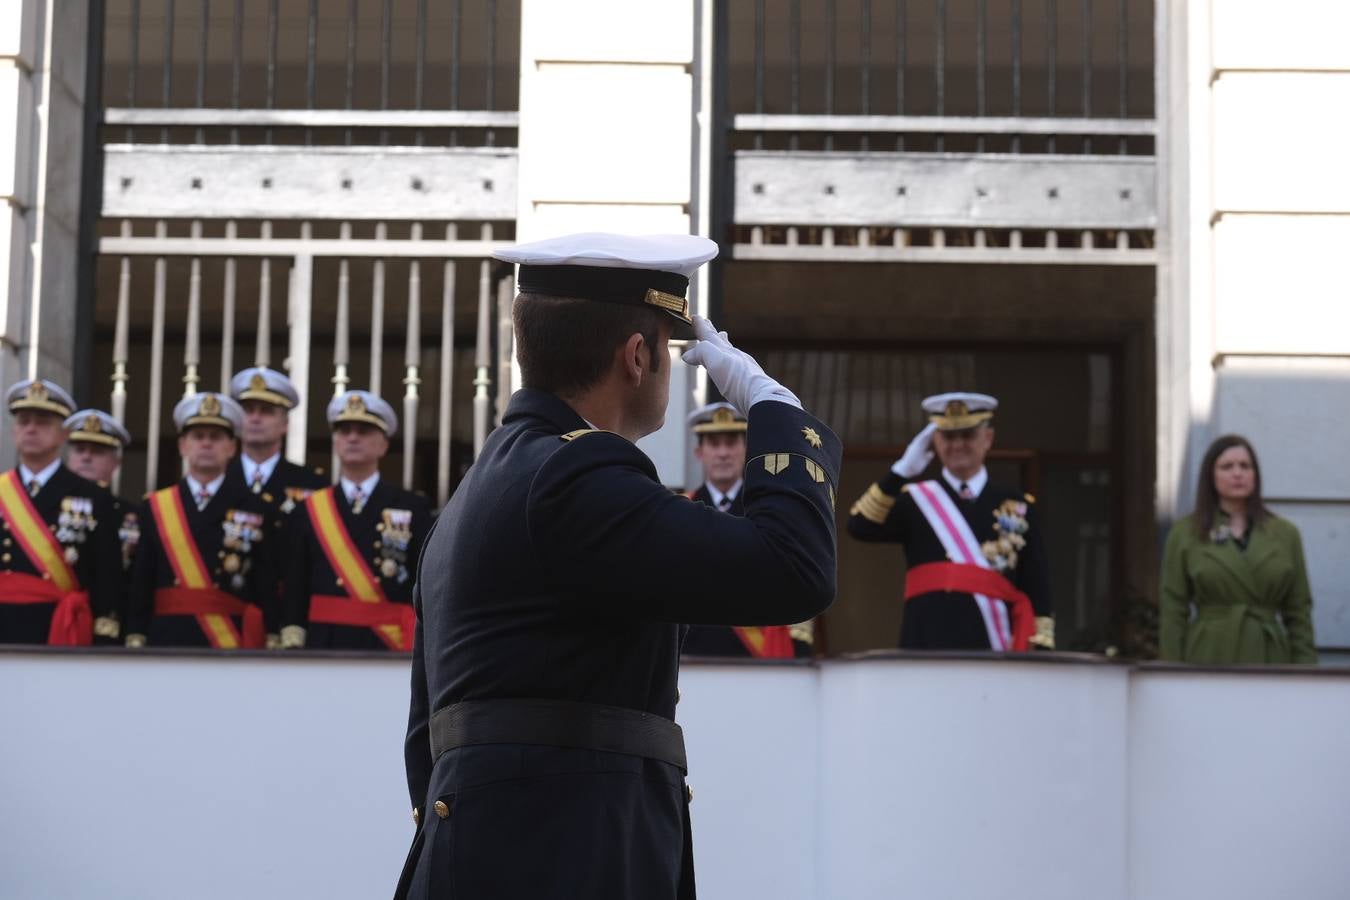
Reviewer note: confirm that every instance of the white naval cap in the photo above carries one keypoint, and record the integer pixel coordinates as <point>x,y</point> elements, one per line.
<point>267,385</point>
<point>208,408</point>
<point>959,410</point>
<point>362,406</point>
<point>41,395</point>
<point>634,270</point>
<point>94,426</point>
<point>717,418</point>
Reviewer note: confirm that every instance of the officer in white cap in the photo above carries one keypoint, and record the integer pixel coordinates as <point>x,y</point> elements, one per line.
<point>267,398</point>
<point>205,571</point>
<point>977,576</point>
<point>353,554</point>
<point>94,446</point>
<point>719,444</point>
<point>546,644</point>
<point>59,566</point>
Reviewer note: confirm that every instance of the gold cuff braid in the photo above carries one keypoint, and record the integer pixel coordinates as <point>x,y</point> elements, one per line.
<point>292,637</point>
<point>1045,633</point>
<point>273,642</point>
<point>804,632</point>
<point>107,626</point>
<point>874,505</point>
<point>135,640</point>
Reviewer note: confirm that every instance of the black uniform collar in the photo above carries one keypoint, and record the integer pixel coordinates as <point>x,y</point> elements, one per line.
<point>529,403</point>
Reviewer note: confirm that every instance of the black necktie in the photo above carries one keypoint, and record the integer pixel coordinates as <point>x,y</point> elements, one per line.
<point>965,492</point>
<point>33,487</point>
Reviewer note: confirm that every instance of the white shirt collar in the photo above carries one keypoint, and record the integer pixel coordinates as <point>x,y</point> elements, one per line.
<point>717,496</point>
<point>210,487</point>
<point>27,474</point>
<point>367,487</point>
<point>267,467</point>
<point>976,482</point>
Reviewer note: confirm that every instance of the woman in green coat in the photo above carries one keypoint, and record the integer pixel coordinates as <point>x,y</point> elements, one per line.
<point>1240,567</point>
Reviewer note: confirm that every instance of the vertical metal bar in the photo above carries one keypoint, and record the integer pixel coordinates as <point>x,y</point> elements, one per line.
<point>759,68</point>
<point>166,79</point>
<point>192,346</point>
<point>156,368</point>
<point>490,136</point>
<point>447,385</point>
<point>351,63</point>
<point>377,314</point>
<point>202,50</point>
<point>1016,68</point>
<point>1087,69</point>
<point>1051,62</point>
<point>981,56</point>
<point>456,45</point>
<point>272,24</point>
<point>483,352</point>
<point>386,51</point>
<point>794,65</point>
<point>342,330</point>
<point>118,401</point>
<point>227,310</point>
<point>299,306</point>
<point>311,62</point>
<point>901,62</point>
<point>419,67</point>
<point>1123,62</point>
<point>262,354</point>
<point>831,29</point>
<point>412,360</point>
<point>236,62</point>
<point>865,86</point>
<point>940,67</point>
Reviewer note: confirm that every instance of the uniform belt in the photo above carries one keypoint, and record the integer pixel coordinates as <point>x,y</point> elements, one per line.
<point>558,723</point>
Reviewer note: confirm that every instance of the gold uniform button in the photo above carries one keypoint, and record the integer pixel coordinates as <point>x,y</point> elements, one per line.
<point>339,582</point>
<point>6,558</point>
<point>442,808</point>
<point>417,816</point>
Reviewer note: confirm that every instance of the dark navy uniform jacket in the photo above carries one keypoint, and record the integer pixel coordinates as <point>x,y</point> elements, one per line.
<point>232,507</point>
<point>945,620</point>
<point>559,570</point>
<point>90,539</point>
<point>394,563</point>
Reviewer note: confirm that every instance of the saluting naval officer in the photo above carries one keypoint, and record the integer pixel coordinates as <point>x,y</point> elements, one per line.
<point>977,577</point>
<point>267,397</point>
<point>59,567</point>
<point>203,571</point>
<point>542,756</point>
<point>353,552</point>
<point>719,435</point>
<point>94,445</point>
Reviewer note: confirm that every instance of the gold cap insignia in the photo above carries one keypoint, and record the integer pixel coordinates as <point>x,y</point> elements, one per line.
<point>93,424</point>
<point>812,437</point>
<point>723,416</point>
<point>210,406</point>
<point>257,382</point>
<point>355,404</point>
<point>957,408</point>
<point>37,391</point>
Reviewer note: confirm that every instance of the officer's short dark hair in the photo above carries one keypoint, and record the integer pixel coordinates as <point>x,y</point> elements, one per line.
<point>565,345</point>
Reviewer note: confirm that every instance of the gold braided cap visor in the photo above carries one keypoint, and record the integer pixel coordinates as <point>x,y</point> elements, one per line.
<point>628,287</point>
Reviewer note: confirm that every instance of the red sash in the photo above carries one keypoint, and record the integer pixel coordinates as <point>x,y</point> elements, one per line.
<point>213,609</point>
<point>766,642</point>
<point>72,621</point>
<point>965,578</point>
<point>365,605</point>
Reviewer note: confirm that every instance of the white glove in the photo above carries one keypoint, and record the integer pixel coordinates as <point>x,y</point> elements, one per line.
<point>735,372</point>
<point>917,456</point>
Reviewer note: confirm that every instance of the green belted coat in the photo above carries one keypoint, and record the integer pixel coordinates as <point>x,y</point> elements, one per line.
<point>1251,606</point>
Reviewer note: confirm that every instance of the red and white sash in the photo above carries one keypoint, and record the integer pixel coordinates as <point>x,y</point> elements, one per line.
<point>958,540</point>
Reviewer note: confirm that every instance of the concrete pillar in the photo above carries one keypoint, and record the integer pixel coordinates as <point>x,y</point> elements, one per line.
<point>43,53</point>
<point>1260,289</point>
<point>609,100</point>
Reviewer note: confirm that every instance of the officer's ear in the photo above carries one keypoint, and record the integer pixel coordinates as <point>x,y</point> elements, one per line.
<point>634,358</point>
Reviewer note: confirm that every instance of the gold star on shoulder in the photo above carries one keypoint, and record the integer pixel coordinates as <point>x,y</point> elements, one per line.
<point>812,437</point>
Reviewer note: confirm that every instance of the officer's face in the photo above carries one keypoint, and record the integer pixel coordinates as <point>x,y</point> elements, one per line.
<point>38,434</point>
<point>93,461</point>
<point>206,449</point>
<point>1234,474</point>
<point>264,423</point>
<point>723,457</point>
<point>359,445</point>
<point>963,452</point>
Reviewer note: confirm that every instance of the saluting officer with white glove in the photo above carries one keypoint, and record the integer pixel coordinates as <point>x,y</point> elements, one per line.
<point>917,455</point>
<point>735,373</point>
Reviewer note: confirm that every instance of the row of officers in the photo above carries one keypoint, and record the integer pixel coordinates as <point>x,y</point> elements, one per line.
<point>249,550</point>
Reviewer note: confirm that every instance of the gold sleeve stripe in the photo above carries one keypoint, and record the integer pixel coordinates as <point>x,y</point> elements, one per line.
<point>874,505</point>
<point>1045,633</point>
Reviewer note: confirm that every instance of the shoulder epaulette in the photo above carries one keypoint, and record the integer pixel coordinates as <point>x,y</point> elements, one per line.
<point>573,435</point>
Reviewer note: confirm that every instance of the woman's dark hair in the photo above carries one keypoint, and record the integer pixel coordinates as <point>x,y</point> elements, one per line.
<point>565,345</point>
<point>1207,498</point>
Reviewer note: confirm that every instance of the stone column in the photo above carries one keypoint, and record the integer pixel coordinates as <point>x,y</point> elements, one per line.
<point>43,53</point>
<point>609,92</point>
